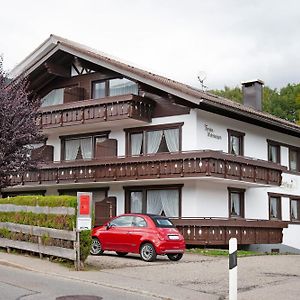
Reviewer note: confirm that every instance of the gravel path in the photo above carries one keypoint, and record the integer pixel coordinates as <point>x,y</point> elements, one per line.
<point>264,277</point>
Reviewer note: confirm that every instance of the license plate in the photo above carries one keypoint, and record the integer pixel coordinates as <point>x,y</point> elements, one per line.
<point>173,237</point>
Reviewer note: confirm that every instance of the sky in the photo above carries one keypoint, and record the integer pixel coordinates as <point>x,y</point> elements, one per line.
<point>226,41</point>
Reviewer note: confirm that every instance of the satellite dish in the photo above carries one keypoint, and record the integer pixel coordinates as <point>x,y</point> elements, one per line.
<point>201,75</point>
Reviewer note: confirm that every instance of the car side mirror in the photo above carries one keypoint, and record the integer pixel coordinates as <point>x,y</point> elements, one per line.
<point>108,226</point>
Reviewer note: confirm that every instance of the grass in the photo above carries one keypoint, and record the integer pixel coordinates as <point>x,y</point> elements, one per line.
<point>222,252</point>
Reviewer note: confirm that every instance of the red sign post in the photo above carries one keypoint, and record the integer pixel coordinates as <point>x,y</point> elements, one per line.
<point>84,211</point>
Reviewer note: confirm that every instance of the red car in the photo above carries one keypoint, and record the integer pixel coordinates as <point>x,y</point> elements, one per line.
<point>149,235</point>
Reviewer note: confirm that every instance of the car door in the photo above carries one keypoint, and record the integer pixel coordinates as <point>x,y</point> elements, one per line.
<point>135,234</point>
<point>116,235</point>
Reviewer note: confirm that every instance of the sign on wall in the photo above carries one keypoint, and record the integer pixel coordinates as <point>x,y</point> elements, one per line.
<point>211,132</point>
<point>84,211</point>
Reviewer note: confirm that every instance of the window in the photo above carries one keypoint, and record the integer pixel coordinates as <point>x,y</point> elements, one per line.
<point>163,201</point>
<point>156,139</point>
<point>275,207</point>
<point>274,152</point>
<point>295,209</point>
<point>82,147</point>
<point>113,87</point>
<point>55,97</point>
<point>123,221</point>
<point>139,222</point>
<point>294,158</point>
<point>235,142</point>
<point>236,203</point>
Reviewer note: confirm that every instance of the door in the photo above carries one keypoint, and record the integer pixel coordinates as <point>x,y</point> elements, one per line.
<point>105,209</point>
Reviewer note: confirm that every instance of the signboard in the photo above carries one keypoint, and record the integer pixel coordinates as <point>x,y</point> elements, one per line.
<point>84,211</point>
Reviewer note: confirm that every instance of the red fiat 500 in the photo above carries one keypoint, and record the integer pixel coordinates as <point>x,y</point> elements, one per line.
<point>148,235</point>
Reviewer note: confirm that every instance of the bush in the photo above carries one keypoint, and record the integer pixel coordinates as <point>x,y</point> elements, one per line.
<point>85,244</point>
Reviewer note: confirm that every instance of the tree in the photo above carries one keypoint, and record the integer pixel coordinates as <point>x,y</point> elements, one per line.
<point>18,128</point>
<point>283,103</point>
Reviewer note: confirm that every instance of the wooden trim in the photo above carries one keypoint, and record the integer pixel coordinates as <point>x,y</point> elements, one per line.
<point>154,127</point>
<point>97,189</point>
<point>283,195</point>
<point>37,209</point>
<point>40,231</point>
<point>273,142</point>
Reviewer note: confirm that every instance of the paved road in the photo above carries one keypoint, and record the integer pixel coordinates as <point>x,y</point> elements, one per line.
<point>194,277</point>
<point>16,283</point>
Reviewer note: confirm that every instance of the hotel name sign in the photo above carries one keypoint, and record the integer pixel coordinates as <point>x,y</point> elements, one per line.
<point>211,133</point>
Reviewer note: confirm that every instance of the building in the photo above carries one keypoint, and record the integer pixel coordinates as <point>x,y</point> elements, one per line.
<point>144,143</point>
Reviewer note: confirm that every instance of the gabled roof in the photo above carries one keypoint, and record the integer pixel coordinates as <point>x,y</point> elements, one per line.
<point>195,96</point>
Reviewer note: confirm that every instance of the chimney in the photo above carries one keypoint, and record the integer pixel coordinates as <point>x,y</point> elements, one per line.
<point>253,93</point>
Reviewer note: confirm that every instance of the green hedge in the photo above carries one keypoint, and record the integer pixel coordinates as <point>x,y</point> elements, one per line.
<point>64,222</point>
<point>51,201</point>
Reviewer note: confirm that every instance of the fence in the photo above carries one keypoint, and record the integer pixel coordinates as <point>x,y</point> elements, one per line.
<point>39,237</point>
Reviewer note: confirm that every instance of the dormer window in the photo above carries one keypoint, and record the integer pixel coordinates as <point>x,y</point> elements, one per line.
<point>113,87</point>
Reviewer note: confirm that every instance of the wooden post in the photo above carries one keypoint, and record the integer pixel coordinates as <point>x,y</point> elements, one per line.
<point>77,249</point>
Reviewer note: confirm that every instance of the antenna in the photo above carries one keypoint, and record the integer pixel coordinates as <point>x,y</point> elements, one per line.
<point>201,75</point>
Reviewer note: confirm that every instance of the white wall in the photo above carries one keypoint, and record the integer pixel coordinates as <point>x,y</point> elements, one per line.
<point>54,140</point>
<point>204,199</point>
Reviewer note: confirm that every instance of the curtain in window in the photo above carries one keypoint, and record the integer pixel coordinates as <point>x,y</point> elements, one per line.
<point>136,199</point>
<point>86,148</point>
<point>98,90</point>
<point>154,140</point>
<point>71,149</point>
<point>273,208</point>
<point>235,145</point>
<point>122,87</point>
<point>163,200</point>
<point>273,154</point>
<point>294,211</point>
<point>136,143</point>
<point>154,205</point>
<point>55,97</point>
<point>293,160</point>
<point>235,209</point>
<point>170,202</point>
<point>172,139</point>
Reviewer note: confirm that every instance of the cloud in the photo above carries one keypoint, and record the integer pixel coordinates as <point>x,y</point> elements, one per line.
<point>230,40</point>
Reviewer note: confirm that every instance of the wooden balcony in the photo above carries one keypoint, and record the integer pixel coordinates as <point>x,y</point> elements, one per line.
<point>125,107</point>
<point>212,164</point>
<point>216,231</point>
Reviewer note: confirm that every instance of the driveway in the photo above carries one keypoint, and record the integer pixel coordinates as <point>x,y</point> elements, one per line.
<point>264,277</point>
<point>194,277</point>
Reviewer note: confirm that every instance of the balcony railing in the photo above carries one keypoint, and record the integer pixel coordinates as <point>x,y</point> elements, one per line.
<point>99,110</point>
<point>175,165</point>
<point>217,231</point>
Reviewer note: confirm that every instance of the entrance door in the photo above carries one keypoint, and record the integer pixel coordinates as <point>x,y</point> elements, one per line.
<point>105,210</point>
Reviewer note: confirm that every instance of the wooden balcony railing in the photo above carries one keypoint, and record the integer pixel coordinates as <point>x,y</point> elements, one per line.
<point>175,165</point>
<point>99,110</point>
<point>216,231</point>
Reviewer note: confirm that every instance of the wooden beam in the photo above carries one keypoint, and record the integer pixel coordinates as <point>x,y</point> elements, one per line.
<point>57,70</point>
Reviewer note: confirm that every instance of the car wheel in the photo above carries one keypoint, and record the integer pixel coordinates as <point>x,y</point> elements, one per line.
<point>175,256</point>
<point>121,253</point>
<point>96,248</point>
<point>148,252</point>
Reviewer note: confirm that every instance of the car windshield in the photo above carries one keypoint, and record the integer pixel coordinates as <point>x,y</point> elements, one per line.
<point>162,222</point>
